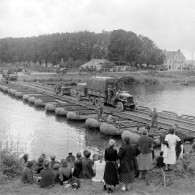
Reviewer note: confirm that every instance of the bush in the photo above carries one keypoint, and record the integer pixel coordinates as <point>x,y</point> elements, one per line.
<point>134,81</point>
<point>10,162</point>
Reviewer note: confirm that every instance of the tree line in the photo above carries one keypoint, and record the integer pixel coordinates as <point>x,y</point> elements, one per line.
<point>117,45</point>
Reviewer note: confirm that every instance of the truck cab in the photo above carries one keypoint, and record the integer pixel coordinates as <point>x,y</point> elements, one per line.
<point>124,101</point>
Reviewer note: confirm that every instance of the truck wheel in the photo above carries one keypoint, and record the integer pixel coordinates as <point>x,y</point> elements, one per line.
<point>97,101</point>
<point>92,100</point>
<point>120,106</point>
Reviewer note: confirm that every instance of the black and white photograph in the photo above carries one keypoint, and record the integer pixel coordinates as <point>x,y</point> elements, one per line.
<point>97,97</point>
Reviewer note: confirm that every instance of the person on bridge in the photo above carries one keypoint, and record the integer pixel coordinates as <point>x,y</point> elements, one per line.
<point>111,118</point>
<point>110,93</point>
<point>100,110</point>
<point>154,118</point>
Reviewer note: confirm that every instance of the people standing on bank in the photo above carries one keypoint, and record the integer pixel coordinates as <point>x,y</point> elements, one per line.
<point>170,153</point>
<point>154,118</point>
<point>179,145</point>
<point>126,154</point>
<point>145,157</point>
<point>110,173</point>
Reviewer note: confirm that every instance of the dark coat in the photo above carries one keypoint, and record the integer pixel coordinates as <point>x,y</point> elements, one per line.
<point>87,170</point>
<point>110,154</point>
<point>47,178</point>
<point>77,168</point>
<point>27,176</point>
<point>127,155</point>
<point>110,172</point>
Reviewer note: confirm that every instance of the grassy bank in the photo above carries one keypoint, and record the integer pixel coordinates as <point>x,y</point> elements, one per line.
<point>140,77</point>
<point>141,187</point>
<point>179,181</point>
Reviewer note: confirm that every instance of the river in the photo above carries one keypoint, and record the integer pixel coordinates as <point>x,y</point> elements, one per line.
<point>170,97</point>
<point>34,131</point>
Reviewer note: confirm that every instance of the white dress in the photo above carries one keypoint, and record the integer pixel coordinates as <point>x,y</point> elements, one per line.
<point>169,152</point>
<point>99,167</point>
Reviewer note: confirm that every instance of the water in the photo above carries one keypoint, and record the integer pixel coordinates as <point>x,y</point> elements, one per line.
<point>33,131</point>
<point>172,97</point>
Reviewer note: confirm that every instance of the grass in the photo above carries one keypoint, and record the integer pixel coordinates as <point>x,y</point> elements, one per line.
<point>179,186</point>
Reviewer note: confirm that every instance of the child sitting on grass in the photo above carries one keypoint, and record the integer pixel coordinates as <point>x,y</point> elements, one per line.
<point>159,161</point>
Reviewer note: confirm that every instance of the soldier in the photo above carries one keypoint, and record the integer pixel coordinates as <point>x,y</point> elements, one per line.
<point>110,91</point>
<point>100,110</point>
<point>154,118</point>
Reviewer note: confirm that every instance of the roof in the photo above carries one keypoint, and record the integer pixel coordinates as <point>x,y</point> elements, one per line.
<point>171,54</point>
<point>96,62</point>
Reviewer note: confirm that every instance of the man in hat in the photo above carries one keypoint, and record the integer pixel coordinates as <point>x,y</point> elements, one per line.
<point>53,161</point>
<point>71,159</point>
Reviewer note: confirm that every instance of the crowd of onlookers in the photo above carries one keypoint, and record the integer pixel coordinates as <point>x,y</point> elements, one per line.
<point>111,167</point>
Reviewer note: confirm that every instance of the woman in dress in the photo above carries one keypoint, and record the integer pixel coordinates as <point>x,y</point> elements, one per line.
<point>126,154</point>
<point>170,153</point>
<point>99,167</point>
<point>110,173</point>
<point>145,157</point>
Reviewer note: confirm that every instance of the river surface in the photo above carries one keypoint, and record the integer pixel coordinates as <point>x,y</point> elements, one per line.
<point>31,130</point>
<point>171,97</point>
<point>34,131</point>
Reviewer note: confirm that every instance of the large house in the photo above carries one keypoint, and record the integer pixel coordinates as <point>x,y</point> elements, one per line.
<point>175,60</point>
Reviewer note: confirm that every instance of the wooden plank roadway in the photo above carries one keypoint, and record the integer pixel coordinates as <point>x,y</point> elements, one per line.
<point>163,122</point>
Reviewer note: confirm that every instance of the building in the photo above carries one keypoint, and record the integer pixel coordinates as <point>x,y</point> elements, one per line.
<point>97,64</point>
<point>175,60</point>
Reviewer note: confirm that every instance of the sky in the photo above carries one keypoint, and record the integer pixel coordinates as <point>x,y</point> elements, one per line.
<point>169,23</point>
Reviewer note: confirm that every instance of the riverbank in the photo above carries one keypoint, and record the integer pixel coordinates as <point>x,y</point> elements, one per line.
<point>139,187</point>
<point>144,77</point>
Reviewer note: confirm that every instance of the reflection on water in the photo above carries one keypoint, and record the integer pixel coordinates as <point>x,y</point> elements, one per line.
<point>175,98</point>
<point>39,132</point>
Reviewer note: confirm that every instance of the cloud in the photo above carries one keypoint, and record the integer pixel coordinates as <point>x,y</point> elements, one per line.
<point>169,23</point>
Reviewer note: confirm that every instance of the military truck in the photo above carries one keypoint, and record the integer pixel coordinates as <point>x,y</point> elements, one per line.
<point>10,75</point>
<point>96,91</point>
